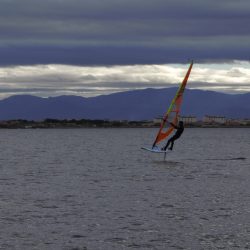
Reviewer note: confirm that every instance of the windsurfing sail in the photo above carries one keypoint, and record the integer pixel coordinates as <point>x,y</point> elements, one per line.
<point>171,116</point>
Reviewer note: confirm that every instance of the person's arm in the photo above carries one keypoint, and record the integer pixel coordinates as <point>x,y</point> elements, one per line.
<point>173,125</point>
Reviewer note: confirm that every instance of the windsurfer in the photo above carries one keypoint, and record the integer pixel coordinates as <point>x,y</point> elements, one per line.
<point>180,129</point>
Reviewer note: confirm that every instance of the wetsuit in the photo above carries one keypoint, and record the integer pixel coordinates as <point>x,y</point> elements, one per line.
<point>178,133</point>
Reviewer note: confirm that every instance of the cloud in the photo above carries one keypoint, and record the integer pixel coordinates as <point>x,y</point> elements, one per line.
<point>55,79</point>
<point>111,32</point>
<point>92,47</point>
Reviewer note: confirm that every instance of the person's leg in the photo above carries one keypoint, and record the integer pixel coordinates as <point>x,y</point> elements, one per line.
<point>164,148</point>
<point>172,144</point>
<point>169,141</point>
<point>172,141</point>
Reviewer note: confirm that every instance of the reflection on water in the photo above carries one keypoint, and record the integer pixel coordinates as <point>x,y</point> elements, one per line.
<point>228,159</point>
<point>95,189</point>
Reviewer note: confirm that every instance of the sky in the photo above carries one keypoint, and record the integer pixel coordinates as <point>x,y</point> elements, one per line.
<point>94,47</point>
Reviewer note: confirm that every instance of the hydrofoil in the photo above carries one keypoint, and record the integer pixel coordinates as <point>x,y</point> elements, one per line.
<point>156,150</point>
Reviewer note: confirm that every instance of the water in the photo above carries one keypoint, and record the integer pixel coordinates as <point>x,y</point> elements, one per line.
<point>95,189</point>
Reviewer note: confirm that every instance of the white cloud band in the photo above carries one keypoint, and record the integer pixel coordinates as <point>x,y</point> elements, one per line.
<point>54,80</point>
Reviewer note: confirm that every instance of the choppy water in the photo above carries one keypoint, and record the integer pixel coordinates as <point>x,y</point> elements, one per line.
<point>95,189</point>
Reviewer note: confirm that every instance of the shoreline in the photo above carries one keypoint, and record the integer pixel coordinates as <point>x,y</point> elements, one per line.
<point>83,123</point>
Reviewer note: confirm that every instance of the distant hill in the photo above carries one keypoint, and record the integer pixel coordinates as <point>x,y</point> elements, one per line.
<point>131,105</point>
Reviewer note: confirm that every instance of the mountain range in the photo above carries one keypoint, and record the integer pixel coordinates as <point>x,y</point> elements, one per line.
<point>143,104</point>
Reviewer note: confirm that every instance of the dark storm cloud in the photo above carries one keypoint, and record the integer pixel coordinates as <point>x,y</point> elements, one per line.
<point>101,55</point>
<point>125,9</point>
<point>122,32</point>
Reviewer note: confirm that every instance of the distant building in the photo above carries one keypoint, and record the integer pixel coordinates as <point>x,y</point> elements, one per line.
<point>157,120</point>
<point>238,121</point>
<point>188,119</point>
<point>214,119</point>
<point>246,121</point>
<point>185,119</point>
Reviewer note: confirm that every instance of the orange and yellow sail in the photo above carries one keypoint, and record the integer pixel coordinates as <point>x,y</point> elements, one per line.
<point>172,113</point>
